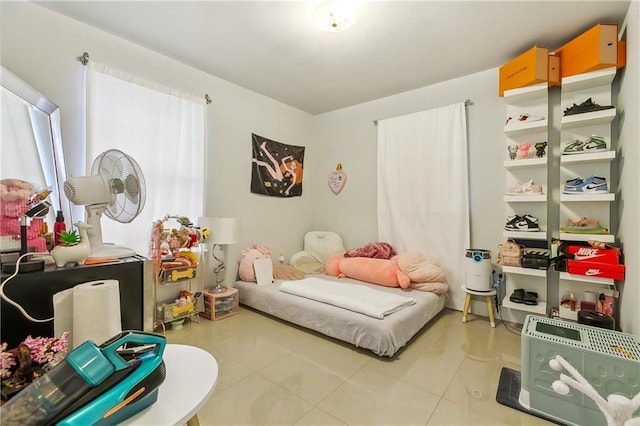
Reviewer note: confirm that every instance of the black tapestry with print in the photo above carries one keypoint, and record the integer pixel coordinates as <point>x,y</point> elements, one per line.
<point>276,168</point>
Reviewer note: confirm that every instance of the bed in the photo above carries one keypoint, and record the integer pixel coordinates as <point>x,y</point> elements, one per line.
<point>384,337</point>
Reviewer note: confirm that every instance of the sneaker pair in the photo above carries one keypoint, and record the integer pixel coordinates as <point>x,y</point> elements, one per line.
<point>526,223</point>
<point>593,144</point>
<point>584,186</point>
<point>527,188</point>
<point>583,226</point>
<point>526,117</point>
<point>586,106</point>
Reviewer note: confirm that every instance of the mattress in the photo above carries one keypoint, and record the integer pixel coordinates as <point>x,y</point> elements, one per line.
<point>383,337</point>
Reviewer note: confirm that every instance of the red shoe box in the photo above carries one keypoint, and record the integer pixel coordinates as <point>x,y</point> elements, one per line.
<point>593,255</point>
<point>596,269</point>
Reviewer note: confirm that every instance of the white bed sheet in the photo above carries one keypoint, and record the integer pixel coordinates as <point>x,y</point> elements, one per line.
<point>383,337</point>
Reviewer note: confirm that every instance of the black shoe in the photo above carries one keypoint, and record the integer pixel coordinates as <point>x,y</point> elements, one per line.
<point>531,298</point>
<point>517,296</point>
<point>526,223</point>
<point>511,222</point>
<point>586,106</point>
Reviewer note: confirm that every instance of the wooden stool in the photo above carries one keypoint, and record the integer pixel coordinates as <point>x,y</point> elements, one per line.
<point>467,303</point>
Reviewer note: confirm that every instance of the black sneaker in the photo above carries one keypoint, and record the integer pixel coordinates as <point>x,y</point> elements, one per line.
<point>511,223</point>
<point>586,106</point>
<point>527,223</point>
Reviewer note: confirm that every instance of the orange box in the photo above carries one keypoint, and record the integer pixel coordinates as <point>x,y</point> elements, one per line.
<point>531,67</point>
<point>554,71</point>
<point>594,49</point>
<point>622,54</point>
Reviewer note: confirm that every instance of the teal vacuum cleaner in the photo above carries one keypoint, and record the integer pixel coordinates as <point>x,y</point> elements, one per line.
<point>94,385</point>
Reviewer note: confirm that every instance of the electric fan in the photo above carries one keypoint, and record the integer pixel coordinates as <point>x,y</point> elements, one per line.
<point>117,188</point>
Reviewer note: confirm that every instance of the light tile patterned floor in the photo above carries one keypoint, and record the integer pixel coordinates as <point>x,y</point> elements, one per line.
<point>273,373</point>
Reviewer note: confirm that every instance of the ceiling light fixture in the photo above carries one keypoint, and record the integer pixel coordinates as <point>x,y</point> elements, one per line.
<point>335,15</point>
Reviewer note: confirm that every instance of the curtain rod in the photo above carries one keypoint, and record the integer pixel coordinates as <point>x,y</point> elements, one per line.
<point>467,102</point>
<point>84,59</point>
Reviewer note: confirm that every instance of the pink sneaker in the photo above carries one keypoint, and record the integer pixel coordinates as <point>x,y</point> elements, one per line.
<point>527,188</point>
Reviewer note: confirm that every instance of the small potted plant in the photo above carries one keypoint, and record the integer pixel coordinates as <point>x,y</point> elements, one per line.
<point>74,246</point>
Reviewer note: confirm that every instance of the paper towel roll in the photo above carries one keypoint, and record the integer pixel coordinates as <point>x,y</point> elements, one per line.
<point>96,311</point>
<point>89,311</point>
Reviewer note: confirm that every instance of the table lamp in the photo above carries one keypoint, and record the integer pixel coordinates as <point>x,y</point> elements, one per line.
<point>224,231</point>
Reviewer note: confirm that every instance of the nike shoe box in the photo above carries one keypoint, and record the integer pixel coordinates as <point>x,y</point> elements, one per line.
<point>590,254</point>
<point>596,269</point>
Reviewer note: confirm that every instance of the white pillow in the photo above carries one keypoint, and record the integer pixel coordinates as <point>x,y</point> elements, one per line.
<point>323,244</point>
<point>263,268</point>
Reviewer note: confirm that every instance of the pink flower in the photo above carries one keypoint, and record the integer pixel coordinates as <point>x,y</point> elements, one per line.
<point>7,360</point>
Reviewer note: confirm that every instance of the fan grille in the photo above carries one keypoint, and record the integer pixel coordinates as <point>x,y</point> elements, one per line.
<point>128,187</point>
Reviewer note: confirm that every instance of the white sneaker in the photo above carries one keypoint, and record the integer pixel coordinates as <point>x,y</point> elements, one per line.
<point>527,188</point>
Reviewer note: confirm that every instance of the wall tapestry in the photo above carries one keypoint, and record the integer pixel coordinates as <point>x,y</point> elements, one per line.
<point>276,168</point>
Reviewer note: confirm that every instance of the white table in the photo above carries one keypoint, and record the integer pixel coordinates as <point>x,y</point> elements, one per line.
<point>192,374</point>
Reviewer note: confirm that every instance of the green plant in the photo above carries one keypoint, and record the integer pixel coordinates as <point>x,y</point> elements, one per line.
<point>69,238</point>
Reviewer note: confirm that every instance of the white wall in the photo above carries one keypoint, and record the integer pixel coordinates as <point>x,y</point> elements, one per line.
<point>629,174</point>
<point>42,47</point>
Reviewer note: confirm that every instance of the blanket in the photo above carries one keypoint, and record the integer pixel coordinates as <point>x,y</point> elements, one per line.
<point>373,250</point>
<point>357,298</point>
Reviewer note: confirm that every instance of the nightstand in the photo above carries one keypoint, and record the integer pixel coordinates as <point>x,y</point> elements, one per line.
<point>220,305</point>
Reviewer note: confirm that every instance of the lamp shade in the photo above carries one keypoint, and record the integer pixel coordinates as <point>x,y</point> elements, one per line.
<point>223,230</point>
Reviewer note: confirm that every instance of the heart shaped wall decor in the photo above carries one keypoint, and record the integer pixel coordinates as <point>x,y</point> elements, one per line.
<point>337,179</point>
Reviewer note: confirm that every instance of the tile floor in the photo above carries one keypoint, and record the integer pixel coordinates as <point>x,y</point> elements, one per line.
<point>273,373</point>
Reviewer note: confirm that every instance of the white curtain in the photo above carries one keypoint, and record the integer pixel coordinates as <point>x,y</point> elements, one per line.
<point>423,191</point>
<point>163,130</point>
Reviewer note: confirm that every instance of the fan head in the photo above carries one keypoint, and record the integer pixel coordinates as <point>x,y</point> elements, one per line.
<point>126,184</point>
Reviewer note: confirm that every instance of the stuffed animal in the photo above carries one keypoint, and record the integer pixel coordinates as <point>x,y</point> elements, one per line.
<point>540,149</point>
<point>523,149</point>
<point>384,272</point>
<point>245,270</point>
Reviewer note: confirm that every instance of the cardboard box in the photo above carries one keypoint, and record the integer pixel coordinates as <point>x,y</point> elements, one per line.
<point>554,77</point>
<point>590,254</point>
<point>532,67</point>
<point>594,49</point>
<point>595,269</point>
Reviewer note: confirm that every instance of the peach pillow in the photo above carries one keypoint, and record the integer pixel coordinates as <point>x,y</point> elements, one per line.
<point>421,268</point>
<point>376,271</point>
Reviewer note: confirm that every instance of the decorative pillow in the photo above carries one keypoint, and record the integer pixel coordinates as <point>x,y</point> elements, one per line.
<point>322,244</point>
<point>306,263</point>
<point>245,269</point>
<point>421,268</point>
<point>437,288</point>
<point>377,271</point>
<point>286,272</point>
<point>332,267</point>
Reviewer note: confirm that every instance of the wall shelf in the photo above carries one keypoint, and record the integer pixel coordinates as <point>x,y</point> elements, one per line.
<point>605,238</point>
<point>594,157</point>
<point>524,271</point>
<point>588,119</point>
<point>588,80</point>
<point>527,162</point>
<point>570,198</point>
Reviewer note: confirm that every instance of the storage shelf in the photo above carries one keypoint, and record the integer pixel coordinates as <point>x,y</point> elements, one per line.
<point>588,118</point>
<point>525,198</point>
<point>527,93</point>
<point>605,238</point>
<point>527,162</point>
<point>588,80</point>
<point>540,308</point>
<point>524,271</point>
<point>593,157</point>
<point>521,235</point>
<point>587,279</point>
<point>568,314</point>
<point>608,196</point>
<point>525,127</point>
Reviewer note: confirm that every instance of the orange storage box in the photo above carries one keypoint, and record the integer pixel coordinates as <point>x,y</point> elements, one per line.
<point>531,67</point>
<point>554,71</point>
<point>595,269</point>
<point>594,49</point>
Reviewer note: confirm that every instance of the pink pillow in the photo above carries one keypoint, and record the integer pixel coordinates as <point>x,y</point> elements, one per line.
<point>332,267</point>
<point>377,271</point>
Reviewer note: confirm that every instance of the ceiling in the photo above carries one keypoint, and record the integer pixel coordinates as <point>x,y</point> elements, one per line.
<point>271,48</point>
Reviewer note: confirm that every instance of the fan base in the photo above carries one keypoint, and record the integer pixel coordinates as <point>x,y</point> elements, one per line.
<point>111,250</point>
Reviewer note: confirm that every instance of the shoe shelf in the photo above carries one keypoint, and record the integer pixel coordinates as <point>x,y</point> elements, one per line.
<point>525,198</point>
<point>603,77</point>
<point>524,271</point>
<point>521,235</point>
<point>605,238</point>
<point>527,162</point>
<point>540,308</point>
<point>593,157</point>
<point>515,129</point>
<point>527,93</point>
<point>588,197</point>
<point>587,119</point>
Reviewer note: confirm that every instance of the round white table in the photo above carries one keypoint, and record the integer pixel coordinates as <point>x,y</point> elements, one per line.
<point>192,374</point>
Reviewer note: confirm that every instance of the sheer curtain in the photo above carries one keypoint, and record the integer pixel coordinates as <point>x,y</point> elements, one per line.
<point>423,191</point>
<point>159,127</point>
